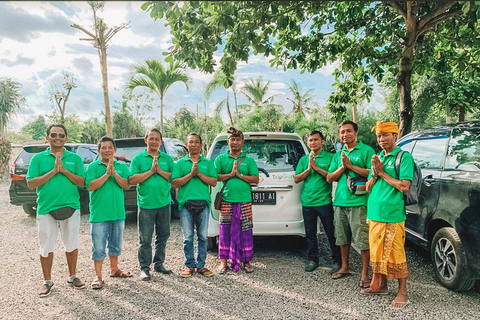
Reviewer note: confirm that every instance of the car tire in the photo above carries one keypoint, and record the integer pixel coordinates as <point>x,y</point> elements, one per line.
<point>212,243</point>
<point>30,208</point>
<point>84,202</point>
<point>449,260</point>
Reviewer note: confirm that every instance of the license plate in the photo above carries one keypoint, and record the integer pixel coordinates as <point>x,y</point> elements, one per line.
<point>264,197</point>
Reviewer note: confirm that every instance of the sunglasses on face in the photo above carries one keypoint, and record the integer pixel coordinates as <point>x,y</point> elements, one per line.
<point>54,135</point>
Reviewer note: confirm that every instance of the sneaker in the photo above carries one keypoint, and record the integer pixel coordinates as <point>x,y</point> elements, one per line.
<point>77,283</point>
<point>335,267</point>
<point>187,272</point>
<point>45,290</point>
<point>145,275</point>
<point>162,269</point>
<point>205,272</point>
<point>310,266</point>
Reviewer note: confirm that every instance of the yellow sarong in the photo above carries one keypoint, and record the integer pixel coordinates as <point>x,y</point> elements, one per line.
<point>387,249</point>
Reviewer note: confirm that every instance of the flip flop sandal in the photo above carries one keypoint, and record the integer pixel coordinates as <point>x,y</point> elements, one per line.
<point>97,284</point>
<point>248,268</point>
<point>121,274</point>
<point>402,304</point>
<point>364,284</point>
<point>222,269</point>
<point>340,275</point>
<point>368,291</point>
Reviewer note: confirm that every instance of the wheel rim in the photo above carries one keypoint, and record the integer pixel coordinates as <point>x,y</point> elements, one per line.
<point>446,259</point>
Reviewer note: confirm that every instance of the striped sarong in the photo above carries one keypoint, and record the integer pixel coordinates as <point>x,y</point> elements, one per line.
<point>235,241</point>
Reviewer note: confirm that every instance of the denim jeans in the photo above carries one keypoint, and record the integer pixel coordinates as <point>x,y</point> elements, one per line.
<point>103,232</point>
<point>325,213</point>
<point>148,220</point>
<point>189,222</point>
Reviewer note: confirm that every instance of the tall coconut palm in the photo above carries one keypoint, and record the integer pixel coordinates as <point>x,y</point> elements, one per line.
<point>217,82</point>
<point>257,93</point>
<point>10,102</point>
<point>157,77</point>
<point>300,99</point>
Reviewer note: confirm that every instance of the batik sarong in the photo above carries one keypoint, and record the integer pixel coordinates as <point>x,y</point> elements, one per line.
<point>235,241</point>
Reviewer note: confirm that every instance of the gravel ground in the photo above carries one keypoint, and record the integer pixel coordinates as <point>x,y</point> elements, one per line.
<point>278,289</point>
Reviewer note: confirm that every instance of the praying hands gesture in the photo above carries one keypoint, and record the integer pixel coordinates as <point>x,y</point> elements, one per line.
<point>110,168</point>
<point>346,163</point>
<point>311,162</point>
<point>377,165</point>
<point>194,170</point>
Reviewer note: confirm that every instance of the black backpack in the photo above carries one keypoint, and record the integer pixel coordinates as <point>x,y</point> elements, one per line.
<point>412,195</point>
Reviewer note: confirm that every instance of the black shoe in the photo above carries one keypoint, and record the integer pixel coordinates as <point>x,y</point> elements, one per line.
<point>335,267</point>
<point>310,266</point>
<point>145,275</point>
<point>162,269</point>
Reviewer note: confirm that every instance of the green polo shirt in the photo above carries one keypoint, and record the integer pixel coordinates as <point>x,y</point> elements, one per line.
<point>316,190</point>
<point>58,192</point>
<point>195,188</point>
<point>154,192</point>
<point>107,203</point>
<point>385,203</point>
<point>236,190</point>
<point>360,156</point>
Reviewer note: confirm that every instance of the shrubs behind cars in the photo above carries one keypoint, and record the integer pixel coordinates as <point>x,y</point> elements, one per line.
<point>129,147</point>
<point>20,194</point>
<point>446,220</point>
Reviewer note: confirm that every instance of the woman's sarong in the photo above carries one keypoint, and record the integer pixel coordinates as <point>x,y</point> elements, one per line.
<point>235,233</point>
<point>387,249</point>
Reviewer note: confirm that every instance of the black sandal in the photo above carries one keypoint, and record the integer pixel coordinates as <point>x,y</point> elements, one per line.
<point>222,269</point>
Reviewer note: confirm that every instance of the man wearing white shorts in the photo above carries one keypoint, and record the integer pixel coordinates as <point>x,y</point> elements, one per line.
<point>56,173</point>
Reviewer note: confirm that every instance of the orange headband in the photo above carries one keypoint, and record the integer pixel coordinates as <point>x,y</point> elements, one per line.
<point>385,127</point>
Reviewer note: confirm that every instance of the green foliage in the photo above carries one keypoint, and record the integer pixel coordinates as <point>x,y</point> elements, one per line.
<point>10,102</point>
<point>71,122</point>
<point>5,154</point>
<point>36,129</point>
<point>93,130</point>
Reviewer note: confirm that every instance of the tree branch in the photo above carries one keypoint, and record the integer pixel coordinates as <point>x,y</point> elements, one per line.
<point>433,22</point>
<point>76,26</point>
<point>443,6</point>
<point>397,7</point>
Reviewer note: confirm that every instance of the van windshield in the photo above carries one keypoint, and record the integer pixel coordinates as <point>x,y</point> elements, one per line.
<point>271,155</point>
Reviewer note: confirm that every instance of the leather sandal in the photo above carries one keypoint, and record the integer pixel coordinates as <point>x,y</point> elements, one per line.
<point>97,283</point>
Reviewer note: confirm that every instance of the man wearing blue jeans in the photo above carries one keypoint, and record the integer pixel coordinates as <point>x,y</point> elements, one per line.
<point>193,175</point>
<point>152,170</point>
<point>316,200</point>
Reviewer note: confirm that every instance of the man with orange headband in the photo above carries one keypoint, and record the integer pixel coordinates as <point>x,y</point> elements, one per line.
<point>386,214</point>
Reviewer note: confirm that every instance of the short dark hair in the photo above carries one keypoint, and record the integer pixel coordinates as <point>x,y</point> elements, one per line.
<point>153,130</point>
<point>232,132</point>
<point>106,139</point>
<point>313,132</point>
<point>354,125</point>
<point>56,125</point>
<point>195,134</point>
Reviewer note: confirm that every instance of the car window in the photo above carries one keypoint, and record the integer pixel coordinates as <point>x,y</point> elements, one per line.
<point>175,149</point>
<point>464,150</point>
<point>271,155</point>
<point>428,153</point>
<point>24,158</point>
<point>126,154</point>
<point>407,146</point>
<point>86,154</point>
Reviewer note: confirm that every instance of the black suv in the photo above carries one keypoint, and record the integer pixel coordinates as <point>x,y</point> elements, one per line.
<point>129,147</point>
<point>446,221</point>
<point>19,192</point>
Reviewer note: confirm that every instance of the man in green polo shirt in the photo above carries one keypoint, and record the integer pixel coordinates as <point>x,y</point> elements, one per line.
<point>237,171</point>
<point>106,179</point>
<point>386,214</point>
<point>152,170</point>
<point>316,199</point>
<point>193,176</point>
<point>350,210</point>
<point>56,173</point>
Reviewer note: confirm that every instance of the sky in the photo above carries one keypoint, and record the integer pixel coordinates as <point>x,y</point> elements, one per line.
<point>38,46</point>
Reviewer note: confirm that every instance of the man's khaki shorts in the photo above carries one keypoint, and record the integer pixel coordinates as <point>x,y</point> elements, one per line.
<point>351,226</point>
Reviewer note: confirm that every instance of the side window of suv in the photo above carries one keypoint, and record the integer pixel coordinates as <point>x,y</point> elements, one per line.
<point>86,155</point>
<point>428,153</point>
<point>464,150</point>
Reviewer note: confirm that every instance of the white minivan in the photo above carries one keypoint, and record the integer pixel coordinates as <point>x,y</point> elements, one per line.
<point>276,199</point>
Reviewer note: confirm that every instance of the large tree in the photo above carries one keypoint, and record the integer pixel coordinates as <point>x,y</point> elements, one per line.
<point>10,102</point>
<point>258,94</point>
<point>388,35</point>
<point>100,38</point>
<point>157,77</point>
<point>60,96</point>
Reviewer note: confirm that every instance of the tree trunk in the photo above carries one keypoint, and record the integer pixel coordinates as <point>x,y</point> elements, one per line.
<point>461,113</point>
<point>448,118</point>
<point>228,109</point>
<point>236,110</point>
<point>404,85</point>
<point>354,112</point>
<point>161,115</point>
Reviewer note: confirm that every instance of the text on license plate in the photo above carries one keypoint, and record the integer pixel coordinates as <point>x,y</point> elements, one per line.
<point>264,197</point>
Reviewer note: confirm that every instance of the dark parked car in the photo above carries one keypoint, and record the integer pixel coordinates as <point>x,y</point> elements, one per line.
<point>19,192</point>
<point>129,147</point>
<point>446,221</point>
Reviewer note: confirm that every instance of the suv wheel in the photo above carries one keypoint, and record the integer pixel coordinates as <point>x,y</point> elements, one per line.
<point>449,260</point>
<point>212,243</point>
<point>30,208</point>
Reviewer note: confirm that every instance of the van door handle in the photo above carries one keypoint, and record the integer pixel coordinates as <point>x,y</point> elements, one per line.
<point>429,179</point>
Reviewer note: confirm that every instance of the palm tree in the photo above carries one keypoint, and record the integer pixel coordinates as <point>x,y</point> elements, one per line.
<point>300,99</point>
<point>157,77</point>
<point>256,92</point>
<point>217,82</point>
<point>10,102</point>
